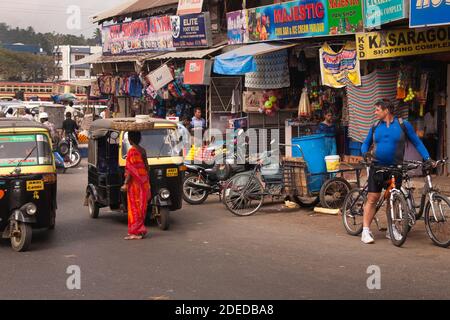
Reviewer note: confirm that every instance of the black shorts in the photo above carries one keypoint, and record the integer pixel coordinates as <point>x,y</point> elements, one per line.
<point>378,181</point>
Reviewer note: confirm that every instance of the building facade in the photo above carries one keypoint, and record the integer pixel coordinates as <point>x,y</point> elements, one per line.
<point>66,56</point>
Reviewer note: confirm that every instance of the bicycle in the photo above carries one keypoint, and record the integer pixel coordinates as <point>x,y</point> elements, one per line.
<point>400,201</point>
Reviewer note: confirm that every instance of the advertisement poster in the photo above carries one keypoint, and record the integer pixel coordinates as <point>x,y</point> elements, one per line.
<point>345,16</point>
<point>189,6</point>
<point>237,31</point>
<point>337,68</point>
<point>405,42</point>
<point>378,12</point>
<point>138,36</point>
<point>197,72</point>
<point>423,13</point>
<point>157,34</point>
<point>160,77</point>
<point>296,19</point>
<point>190,31</point>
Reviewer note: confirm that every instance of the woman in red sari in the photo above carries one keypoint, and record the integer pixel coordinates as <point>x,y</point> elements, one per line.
<point>137,186</point>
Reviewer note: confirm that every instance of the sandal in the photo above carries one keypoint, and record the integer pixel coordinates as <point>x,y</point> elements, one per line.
<point>133,237</point>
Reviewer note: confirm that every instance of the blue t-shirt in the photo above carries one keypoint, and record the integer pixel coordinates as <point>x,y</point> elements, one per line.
<point>390,142</point>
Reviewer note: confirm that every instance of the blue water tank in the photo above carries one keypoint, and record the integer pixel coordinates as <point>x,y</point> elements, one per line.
<point>313,150</point>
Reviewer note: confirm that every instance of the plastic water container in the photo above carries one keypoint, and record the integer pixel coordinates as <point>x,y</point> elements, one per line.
<point>313,150</point>
<point>332,163</point>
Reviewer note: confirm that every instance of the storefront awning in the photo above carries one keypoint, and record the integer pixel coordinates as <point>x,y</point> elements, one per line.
<point>241,60</point>
<point>98,58</point>
<point>192,54</point>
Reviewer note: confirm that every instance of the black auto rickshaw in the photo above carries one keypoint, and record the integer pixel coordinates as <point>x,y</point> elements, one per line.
<point>108,147</point>
<point>27,181</point>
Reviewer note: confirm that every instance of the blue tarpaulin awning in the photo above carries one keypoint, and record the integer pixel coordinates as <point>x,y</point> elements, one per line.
<point>241,60</point>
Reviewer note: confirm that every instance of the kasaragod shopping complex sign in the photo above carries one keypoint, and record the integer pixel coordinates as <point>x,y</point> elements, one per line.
<point>404,42</point>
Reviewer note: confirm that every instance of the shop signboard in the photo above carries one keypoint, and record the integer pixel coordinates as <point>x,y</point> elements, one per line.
<point>160,77</point>
<point>197,72</point>
<point>192,30</point>
<point>189,6</point>
<point>139,35</point>
<point>378,12</point>
<point>345,16</point>
<point>429,13</point>
<point>237,27</point>
<point>157,34</point>
<point>404,42</point>
<point>289,20</point>
<point>295,19</point>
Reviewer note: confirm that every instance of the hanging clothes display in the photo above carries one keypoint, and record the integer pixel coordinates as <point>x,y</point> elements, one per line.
<point>304,107</point>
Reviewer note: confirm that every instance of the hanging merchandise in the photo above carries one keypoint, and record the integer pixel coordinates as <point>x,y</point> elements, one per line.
<point>95,89</point>
<point>272,71</point>
<point>423,92</point>
<point>304,107</point>
<point>337,68</point>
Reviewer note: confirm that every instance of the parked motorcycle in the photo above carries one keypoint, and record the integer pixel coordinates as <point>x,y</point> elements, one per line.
<point>68,149</point>
<point>200,181</point>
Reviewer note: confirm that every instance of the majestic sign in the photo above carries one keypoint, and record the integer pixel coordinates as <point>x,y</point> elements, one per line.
<point>429,13</point>
<point>397,43</point>
<point>157,33</point>
<point>378,12</point>
<point>189,6</point>
<point>337,68</point>
<point>295,19</point>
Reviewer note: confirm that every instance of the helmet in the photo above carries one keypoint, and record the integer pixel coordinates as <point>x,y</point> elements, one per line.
<point>43,115</point>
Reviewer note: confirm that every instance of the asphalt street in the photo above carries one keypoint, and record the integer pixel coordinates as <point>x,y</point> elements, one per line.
<point>210,254</point>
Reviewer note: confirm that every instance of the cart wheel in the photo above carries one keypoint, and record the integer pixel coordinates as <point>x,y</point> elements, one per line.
<point>21,238</point>
<point>93,207</point>
<point>163,218</point>
<point>333,193</point>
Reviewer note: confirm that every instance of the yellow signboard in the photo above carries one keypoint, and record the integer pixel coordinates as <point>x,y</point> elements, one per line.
<point>404,42</point>
<point>35,185</point>
<point>173,172</point>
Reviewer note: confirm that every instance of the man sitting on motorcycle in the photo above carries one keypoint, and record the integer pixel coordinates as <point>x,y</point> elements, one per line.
<point>69,127</point>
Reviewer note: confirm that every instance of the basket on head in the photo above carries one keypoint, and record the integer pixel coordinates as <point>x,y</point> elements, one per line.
<point>131,125</point>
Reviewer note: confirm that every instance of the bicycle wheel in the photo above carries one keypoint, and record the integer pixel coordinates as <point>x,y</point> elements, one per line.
<point>333,193</point>
<point>353,211</point>
<point>437,223</point>
<point>244,195</point>
<point>398,219</point>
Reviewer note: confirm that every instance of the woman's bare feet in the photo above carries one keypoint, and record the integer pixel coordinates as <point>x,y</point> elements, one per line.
<point>133,237</point>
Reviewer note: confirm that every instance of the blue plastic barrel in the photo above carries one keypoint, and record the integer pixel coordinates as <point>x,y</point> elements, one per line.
<point>313,150</point>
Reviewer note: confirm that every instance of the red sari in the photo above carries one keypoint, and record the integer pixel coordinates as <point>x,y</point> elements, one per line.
<point>138,192</point>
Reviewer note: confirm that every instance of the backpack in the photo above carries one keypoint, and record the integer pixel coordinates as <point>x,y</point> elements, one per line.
<point>402,125</point>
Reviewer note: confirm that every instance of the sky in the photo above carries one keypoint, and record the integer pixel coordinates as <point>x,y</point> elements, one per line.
<point>61,16</point>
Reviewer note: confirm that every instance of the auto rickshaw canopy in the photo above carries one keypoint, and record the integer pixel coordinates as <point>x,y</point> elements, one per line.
<point>16,125</point>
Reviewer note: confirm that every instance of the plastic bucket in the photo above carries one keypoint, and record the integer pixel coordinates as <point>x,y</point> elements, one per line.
<point>313,150</point>
<point>332,163</point>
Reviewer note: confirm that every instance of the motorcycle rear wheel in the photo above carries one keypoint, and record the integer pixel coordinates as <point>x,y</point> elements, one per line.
<point>188,192</point>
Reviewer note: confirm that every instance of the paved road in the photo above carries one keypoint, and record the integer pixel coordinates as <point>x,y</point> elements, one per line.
<point>210,254</point>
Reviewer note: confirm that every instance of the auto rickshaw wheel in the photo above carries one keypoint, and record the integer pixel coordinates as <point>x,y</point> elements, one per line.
<point>162,216</point>
<point>52,220</point>
<point>21,235</point>
<point>94,209</point>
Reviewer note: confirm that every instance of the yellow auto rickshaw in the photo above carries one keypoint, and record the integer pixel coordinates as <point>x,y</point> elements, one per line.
<point>108,147</point>
<point>27,181</point>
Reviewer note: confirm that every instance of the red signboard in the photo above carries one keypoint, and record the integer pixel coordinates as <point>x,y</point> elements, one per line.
<point>197,72</point>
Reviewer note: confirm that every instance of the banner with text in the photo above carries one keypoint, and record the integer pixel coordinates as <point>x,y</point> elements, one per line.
<point>157,33</point>
<point>237,30</point>
<point>378,12</point>
<point>189,6</point>
<point>397,43</point>
<point>422,13</point>
<point>337,68</point>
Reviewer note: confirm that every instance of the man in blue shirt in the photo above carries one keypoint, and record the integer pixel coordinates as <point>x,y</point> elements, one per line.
<point>197,121</point>
<point>388,139</point>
